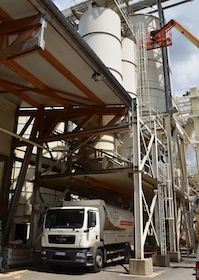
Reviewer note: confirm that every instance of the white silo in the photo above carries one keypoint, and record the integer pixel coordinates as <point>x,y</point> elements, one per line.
<point>155,74</point>
<point>129,73</point>
<point>129,66</point>
<point>101,29</point>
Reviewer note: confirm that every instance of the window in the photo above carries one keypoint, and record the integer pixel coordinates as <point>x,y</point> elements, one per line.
<point>91,219</point>
<point>64,218</point>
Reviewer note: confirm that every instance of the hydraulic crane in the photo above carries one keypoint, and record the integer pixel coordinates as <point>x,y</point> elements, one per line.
<point>162,37</point>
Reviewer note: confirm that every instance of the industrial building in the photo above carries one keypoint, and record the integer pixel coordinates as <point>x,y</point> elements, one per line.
<point>87,110</point>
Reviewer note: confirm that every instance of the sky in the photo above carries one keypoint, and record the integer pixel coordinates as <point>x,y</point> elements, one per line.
<point>184,56</point>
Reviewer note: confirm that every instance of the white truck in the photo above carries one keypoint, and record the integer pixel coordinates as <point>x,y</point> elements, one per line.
<point>86,233</point>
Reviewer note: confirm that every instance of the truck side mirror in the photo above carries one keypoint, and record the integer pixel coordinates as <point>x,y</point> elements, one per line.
<point>91,219</point>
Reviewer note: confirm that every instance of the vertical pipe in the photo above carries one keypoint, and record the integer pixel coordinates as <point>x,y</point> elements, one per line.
<point>167,82</point>
<point>172,228</point>
<point>137,177</point>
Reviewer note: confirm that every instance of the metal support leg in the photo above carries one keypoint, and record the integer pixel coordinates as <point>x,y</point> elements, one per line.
<point>138,209</point>
<point>15,200</point>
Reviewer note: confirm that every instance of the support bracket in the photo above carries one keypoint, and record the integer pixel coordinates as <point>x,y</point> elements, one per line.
<point>21,37</point>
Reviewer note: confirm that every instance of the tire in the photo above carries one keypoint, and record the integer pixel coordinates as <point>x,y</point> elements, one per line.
<point>127,255</point>
<point>98,261</point>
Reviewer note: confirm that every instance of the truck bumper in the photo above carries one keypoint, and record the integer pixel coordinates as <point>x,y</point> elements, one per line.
<point>67,257</point>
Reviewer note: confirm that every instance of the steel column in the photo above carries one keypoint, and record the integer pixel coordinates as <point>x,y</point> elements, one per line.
<point>137,177</point>
<point>166,68</point>
<point>38,168</point>
<point>16,196</point>
<point>172,225</point>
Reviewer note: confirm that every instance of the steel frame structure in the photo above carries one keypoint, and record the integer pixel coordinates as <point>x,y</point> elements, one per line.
<point>91,117</point>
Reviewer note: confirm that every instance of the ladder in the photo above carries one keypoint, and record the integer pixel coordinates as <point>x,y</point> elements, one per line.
<point>168,194</point>
<point>163,241</point>
<point>123,8</point>
<point>168,201</point>
<point>142,63</point>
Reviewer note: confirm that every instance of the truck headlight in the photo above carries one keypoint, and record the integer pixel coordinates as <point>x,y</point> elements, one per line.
<point>43,253</point>
<point>80,260</point>
<point>80,254</point>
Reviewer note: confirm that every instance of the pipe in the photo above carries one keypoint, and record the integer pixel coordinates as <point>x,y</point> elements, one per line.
<point>22,138</point>
<point>171,6</point>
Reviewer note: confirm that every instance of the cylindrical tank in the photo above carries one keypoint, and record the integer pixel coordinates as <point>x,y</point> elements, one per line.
<point>125,150</point>
<point>101,29</point>
<point>106,142</point>
<point>129,67</point>
<point>155,74</point>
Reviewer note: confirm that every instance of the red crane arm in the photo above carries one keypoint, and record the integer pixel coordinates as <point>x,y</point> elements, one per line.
<point>186,33</point>
<point>159,38</point>
<point>158,33</point>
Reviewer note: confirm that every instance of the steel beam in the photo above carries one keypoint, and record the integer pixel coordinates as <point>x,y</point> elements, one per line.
<point>86,133</point>
<point>137,178</point>
<point>165,60</point>
<point>19,186</point>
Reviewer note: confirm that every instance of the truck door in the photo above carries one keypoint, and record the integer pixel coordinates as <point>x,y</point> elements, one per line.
<point>93,226</point>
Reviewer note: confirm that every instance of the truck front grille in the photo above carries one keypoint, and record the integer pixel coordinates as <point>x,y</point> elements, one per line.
<point>61,239</point>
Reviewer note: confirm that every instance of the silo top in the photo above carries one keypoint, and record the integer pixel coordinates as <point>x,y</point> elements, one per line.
<point>150,22</point>
<point>99,19</point>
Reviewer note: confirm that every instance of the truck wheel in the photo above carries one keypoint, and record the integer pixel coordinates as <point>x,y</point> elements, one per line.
<point>98,261</point>
<point>127,254</point>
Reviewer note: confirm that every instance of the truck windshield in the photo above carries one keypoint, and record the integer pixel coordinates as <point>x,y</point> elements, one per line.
<point>64,218</point>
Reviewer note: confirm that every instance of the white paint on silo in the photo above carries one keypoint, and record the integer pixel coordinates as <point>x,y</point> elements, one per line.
<point>101,29</point>
<point>129,67</point>
<point>106,142</point>
<point>125,150</point>
<point>155,65</point>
